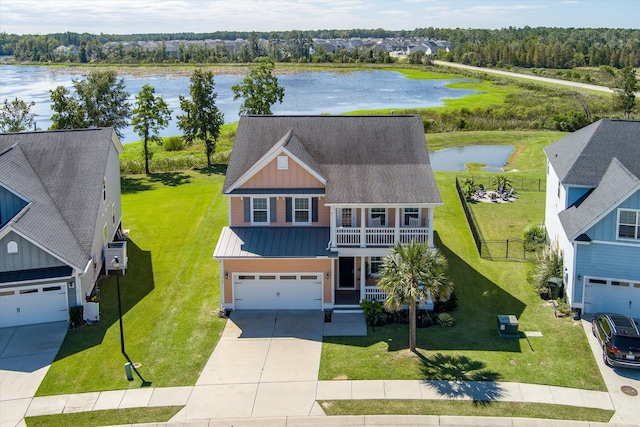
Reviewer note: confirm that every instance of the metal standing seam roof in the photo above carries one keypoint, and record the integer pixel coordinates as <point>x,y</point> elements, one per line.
<point>365,159</point>
<point>61,175</point>
<point>274,242</point>
<point>615,186</point>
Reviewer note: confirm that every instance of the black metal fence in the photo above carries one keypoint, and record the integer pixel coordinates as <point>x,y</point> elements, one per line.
<point>514,249</point>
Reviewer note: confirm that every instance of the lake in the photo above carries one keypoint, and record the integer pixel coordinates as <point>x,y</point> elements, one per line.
<point>306,93</point>
<point>455,158</point>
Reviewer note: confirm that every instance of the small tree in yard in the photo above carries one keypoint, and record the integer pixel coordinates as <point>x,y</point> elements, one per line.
<point>150,115</point>
<point>626,87</point>
<point>412,273</point>
<point>16,116</point>
<point>259,88</point>
<point>99,101</point>
<point>202,119</point>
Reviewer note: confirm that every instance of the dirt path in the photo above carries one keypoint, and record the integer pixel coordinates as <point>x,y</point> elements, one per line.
<point>525,76</point>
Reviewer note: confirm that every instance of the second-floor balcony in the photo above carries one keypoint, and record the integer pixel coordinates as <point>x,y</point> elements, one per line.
<point>380,236</point>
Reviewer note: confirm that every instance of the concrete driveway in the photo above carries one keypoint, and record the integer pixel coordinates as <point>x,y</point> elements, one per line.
<point>265,365</point>
<point>626,406</point>
<point>25,355</point>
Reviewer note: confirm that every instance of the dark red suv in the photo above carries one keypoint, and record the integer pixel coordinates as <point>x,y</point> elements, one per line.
<point>619,338</point>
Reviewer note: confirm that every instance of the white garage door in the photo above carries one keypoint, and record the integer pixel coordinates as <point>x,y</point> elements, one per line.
<point>615,296</point>
<point>33,304</point>
<point>301,291</point>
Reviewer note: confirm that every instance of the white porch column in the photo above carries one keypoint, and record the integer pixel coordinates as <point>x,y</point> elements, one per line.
<point>363,277</point>
<point>430,225</point>
<point>363,232</point>
<point>396,231</point>
<point>332,222</point>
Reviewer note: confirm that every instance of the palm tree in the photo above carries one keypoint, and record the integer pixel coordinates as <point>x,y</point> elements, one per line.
<point>412,273</point>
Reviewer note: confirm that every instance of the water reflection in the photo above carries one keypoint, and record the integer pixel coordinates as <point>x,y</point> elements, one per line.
<point>454,159</point>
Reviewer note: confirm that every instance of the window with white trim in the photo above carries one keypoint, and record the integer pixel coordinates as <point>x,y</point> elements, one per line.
<point>104,190</point>
<point>12,247</point>
<point>377,217</point>
<point>302,210</point>
<point>346,217</point>
<point>283,163</point>
<point>411,217</point>
<point>259,210</point>
<point>375,266</point>
<point>629,224</point>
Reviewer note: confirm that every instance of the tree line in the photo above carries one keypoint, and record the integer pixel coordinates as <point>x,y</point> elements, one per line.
<point>529,47</point>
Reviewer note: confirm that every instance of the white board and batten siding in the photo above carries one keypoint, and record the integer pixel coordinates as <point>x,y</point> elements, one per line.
<point>271,291</point>
<point>32,304</point>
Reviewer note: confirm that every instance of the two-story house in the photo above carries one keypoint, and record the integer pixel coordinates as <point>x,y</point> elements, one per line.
<point>59,214</point>
<point>593,215</point>
<point>315,202</point>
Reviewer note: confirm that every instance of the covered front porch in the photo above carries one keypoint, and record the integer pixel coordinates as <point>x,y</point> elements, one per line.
<point>369,226</point>
<point>357,278</point>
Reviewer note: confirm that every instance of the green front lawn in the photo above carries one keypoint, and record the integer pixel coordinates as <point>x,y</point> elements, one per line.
<point>465,409</point>
<point>170,293</point>
<point>105,418</point>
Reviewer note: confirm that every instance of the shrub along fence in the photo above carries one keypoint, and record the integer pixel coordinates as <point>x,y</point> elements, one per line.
<point>518,183</point>
<point>497,249</point>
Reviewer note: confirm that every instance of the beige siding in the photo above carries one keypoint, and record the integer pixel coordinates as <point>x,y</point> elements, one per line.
<point>276,266</point>
<point>294,177</point>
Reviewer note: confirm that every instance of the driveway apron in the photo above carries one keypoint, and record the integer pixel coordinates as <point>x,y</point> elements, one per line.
<point>627,407</point>
<point>265,365</point>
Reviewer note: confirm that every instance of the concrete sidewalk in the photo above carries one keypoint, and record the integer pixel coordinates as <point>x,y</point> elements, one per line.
<point>264,372</point>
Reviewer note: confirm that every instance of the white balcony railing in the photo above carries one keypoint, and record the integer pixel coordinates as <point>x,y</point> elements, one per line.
<point>375,293</point>
<point>379,236</point>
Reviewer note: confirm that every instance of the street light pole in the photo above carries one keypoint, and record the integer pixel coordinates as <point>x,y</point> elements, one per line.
<point>116,265</point>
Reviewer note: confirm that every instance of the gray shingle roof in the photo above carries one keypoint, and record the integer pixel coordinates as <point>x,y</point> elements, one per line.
<point>273,242</point>
<point>61,173</point>
<point>365,159</point>
<point>616,185</point>
<point>583,157</point>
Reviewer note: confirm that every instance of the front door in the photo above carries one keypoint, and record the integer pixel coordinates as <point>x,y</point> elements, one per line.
<point>346,267</point>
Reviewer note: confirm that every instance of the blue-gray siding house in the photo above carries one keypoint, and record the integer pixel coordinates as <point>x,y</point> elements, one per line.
<point>593,215</point>
<point>59,212</point>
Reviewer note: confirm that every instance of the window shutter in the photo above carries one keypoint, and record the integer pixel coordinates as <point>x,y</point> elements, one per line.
<point>247,209</point>
<point>314,209</point>
<point>272,209</point>
<point>289,208</point>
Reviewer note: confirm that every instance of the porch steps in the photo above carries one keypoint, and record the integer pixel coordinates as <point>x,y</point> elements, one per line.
<point>346,322</point>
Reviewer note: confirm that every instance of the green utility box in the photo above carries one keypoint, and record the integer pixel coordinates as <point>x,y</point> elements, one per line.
<point>508,326</point>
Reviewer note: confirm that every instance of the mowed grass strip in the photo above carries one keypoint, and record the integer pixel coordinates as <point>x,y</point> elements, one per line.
<point>170,293</point>
<point>464,408</point>
<point>105,418</point>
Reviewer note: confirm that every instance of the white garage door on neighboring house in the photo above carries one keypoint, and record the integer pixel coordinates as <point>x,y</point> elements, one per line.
<point>302,291</point>
<point>615,296</point>
<point>39,303</point>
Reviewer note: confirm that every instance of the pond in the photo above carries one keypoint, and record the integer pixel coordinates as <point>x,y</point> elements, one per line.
<point>454,159</point>
<point>305,93</point>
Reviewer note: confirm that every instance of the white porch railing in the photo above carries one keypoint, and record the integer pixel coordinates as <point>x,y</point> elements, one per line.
<point>375,293</point>
<point>420,235</point>
<point>380,236</point>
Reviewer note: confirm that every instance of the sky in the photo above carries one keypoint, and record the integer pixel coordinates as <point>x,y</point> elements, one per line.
<point>173,16</point>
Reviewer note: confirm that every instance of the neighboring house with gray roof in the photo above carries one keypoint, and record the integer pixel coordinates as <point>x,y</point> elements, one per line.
<point>315,202</point>
<point>593,215</point>
<point>59,213</point>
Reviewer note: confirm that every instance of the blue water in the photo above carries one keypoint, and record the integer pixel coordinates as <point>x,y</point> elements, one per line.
<point>454,159</point>
<point>305,93</point>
